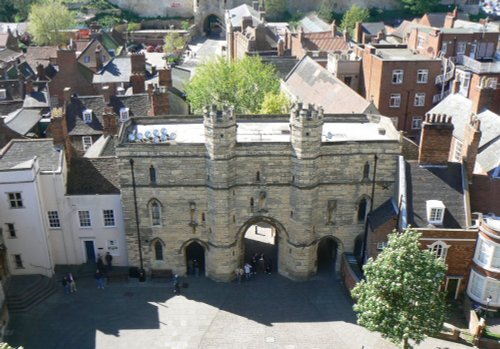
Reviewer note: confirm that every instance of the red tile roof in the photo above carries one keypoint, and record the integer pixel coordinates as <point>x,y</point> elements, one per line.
<point>323,41</point>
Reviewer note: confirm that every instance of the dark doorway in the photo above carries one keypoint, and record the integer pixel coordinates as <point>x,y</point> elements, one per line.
<point>195,259</point>
<point>327,255</point>
<point>358,247</point>
<point>451,290</point>
<point>90,251</point>
<point>213,26</point>
<point>261,238</point>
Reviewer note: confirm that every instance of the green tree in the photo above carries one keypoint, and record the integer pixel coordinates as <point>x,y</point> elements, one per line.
<point>46,20</point>
<point>275,103</point>
<point>399,295</point>
<point>242,84</point>
<point>276,10</point>
<point>326,10</point>
<point>353,15</point>
<point>174,44</point>
<point>420,6</point>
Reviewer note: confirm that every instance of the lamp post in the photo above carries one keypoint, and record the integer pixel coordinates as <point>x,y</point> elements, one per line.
<point>141,270</point>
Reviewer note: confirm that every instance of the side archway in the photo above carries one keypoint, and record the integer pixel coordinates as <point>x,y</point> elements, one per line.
<point>329,250</point>
<point>213,26</point>
<point>195,256</point>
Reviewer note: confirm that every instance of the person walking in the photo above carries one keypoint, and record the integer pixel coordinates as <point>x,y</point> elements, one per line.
<point>100,264</point>
<point>98,278</point>
<point>72,283</point>
<point>177,285</point>
<point>248,270</point>
<point>65,284</point>
<point>109,260</point>
<point>239,274</point>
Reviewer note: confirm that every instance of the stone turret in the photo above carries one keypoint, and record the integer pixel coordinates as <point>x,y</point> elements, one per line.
<point>220,131</point>
<point>306,126</point>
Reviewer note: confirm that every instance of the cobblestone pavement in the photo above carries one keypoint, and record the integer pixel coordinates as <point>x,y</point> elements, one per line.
<point>266,312</point>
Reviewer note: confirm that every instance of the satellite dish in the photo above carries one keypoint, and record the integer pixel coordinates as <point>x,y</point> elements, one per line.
<point>163,131</point>
<point>164,138</point>
<point>140,136</point>
<point>173,136</point>
<point>147,134</point>
<point>131,137</point>
<point>156,132</point>
<point>156,140</point>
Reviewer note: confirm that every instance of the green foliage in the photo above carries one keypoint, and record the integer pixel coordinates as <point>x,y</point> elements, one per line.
<point>276,10</point>
<point>185,25</point>
<point>242,84</point>
<point>353,15</point>
<point>420,6</point>
<point>46,20</point>
<point>174,44</point>
<point>275,103</point>
<point>326,10</point>
<point>133,26</point>
<point>399,296</point>
<point>14,10</point>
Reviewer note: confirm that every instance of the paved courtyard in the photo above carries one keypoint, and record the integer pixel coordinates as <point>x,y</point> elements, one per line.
<point>266,312</point>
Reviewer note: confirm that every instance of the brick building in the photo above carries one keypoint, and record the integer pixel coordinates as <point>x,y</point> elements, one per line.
<point>432,197</point>
<point>203,182</point>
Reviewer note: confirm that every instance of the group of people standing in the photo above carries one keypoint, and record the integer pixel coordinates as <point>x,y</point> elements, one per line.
<point>258,262</point>
<point>101,271</point>
<point>69,284</point>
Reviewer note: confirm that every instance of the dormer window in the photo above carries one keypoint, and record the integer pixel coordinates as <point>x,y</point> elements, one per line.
<point>435,211</point>
<point>3,94</point>
<point>87,116</point>
<point>124,114</point>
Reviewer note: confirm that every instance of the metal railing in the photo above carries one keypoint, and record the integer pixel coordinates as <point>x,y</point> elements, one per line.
<point>477,66</point>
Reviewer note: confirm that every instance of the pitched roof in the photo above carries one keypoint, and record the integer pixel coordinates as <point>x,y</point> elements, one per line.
<point>382,214</point>
<point>283,64</point>
<point>236,15</point>
<point>436,19</point>
<point>324,41</point>
<point>74,115</point>
<point>313,24</point>
<point>138,104</point>
<point>93,176</point>
<point>373,28</point>
<point>36,99</point>
<point>443,183</point>
<point>309,82</point>
<point>21,152</point>
<point>7,55</point>
<point>117,70</point>
<point>23,120</point>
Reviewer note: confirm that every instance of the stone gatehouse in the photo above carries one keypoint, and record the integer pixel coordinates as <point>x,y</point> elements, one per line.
<point>202,181</point>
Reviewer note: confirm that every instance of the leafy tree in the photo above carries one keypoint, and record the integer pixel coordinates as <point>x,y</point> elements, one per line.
<point>275,103</point>
<point>353,15</point>
<point>420,6</point>
<point>399,296</point>
<point>276,10</point>
<point>174,44</point>
<point>326,10</point>
<point>242,84</point>
<point>133,26</point>
<point>46,20</point>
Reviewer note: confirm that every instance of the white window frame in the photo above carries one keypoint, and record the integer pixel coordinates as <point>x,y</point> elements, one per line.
<point>15,200</point>
<point>416,123</point>
<point>87,116</point>
<point>435,211</point>
<point>124,114</point>
<point>84,219</point>
<point>12,232</point>
<point>108,218</point>
<point>492,83</point>
<point>3,94</point>
<point>397,76</point>
<point>86,142</point>
<point>422,76</point>
<point>419,99</point>
<point>480,287</point>
<point>395,100</point>
<point>461,47</point>
<point>53,218</point>
<point>439,249</point>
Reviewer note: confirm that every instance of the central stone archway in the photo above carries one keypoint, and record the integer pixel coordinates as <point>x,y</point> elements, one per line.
<point>263,235</point>
<point>213,26</point>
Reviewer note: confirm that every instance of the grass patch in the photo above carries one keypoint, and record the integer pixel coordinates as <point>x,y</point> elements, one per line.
<point>491,335</point>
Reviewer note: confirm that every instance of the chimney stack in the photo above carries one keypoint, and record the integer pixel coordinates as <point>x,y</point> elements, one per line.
<point>483,97</point>
<point>255,5</point>
<point>435,139</point>
<point>333,26</point>
<point>345,33</point>
<point>28,87</point>
<point>358,33</point>
<point>98,58</point>
<point>40,72</point>
<point>110,124</point>
<point>106,94</point>
<point>137,81</point>
<point>455,86</point>
<point>59,131</point>
<point>450,18</point>
<point>246,21</point>
<point>472,136</point>
<point>281,48</point>
<point>158,99</point>
<point>137,63</point>
<point>165,77</point>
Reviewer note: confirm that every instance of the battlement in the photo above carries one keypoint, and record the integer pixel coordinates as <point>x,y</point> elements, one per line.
<point>214,116</point>
<point>303,113</point>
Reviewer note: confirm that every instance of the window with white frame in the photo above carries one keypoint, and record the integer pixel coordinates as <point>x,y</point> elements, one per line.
<point>484,251</point>
<point>419,99</point>
<point>86,59</point>
<point>155,213</point>
<point>491,83</point>
<point>54,221</point>
<point>87,116</point>
<point>86,142</point>
<point>397,76</point>
<point>124,114</point>
<point>420,41</point>
<point>11,229</point>
<point>439,249</point>
<point>109,218</point>
<point>457,151</point>
<point>416,122</point>
<point>15,200</point>
<point>395,100</point>
<point>495,261</point>
<point>18,261</point>
<point>461,47</point>
<point>84,218</point>
<point>476,285</point>
<point>481,287</point>
<point>435,211</point>
<point>3,93</point>
<point>422,76</point>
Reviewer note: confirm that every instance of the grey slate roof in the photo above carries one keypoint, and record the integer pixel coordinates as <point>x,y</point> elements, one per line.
<point>309,82</point>
<point>24,120</point>
<point>23,150</point>
<point>117,70</point>
<point>36,99</point>
<point>74,115</point>
<point>138,104</point>
<point>313,24</point>
<point>373,28</point>
<point>236,14</point>
<point>436,19</point>
<point>93,176</point>
<point>460,108</point>
<point>10,106</point>
<point>435,183</point>
<point>283,65</point>
<point>382,214</point>
<point>7,55</point>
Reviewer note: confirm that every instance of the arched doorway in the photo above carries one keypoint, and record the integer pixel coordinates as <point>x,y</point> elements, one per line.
<point>327,255</point>
<point>213,26</point>
<point>195,259</point>
<point>358,247</point>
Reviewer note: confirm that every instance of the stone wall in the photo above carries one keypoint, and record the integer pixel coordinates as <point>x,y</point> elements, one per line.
<point>219,179</point>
